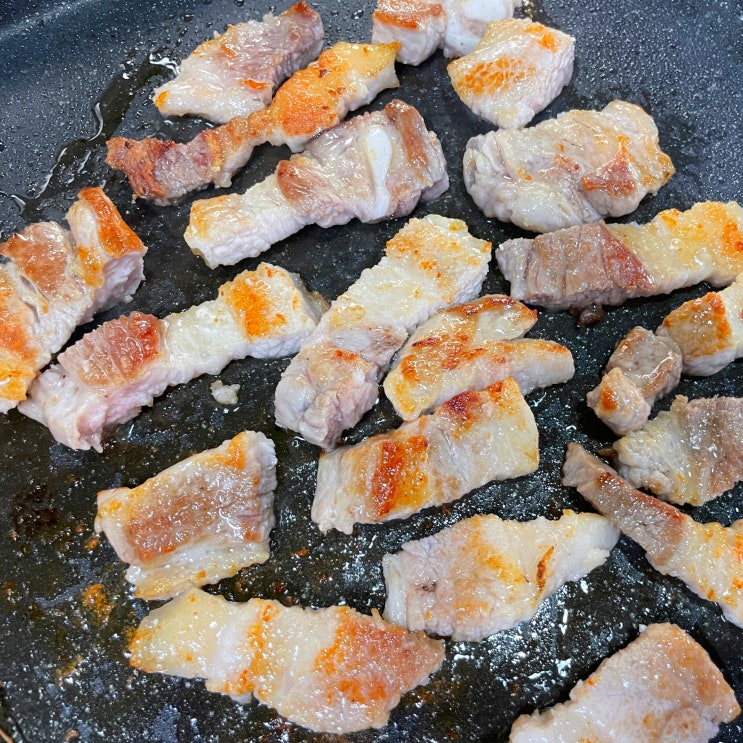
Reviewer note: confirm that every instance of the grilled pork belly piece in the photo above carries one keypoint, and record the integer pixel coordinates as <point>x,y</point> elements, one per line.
<point>344,78</point>
<point>196,522</point>
<point>689,454</point>
<point>704,556</point>
<point>662,687</point>
<point>465,443</point>
<point>331,670</point>
<point>643,368</point>
<point>54,281</point>
<point>468,347</point>
<point>235,73</point>
<point>373,167</point>
<point>124,364</point>
<point>484,575</point>
<point>334,379</point>
<point>597,264</point>
<point>576,168</point>
<point>423,26</point>
<point>518,68</point>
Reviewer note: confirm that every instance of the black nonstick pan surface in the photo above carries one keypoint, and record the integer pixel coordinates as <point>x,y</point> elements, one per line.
<point>75,73</point>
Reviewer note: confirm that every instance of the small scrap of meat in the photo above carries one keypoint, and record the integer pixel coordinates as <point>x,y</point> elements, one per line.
<point>643,368</point>
<point>196,522</point>
<point>316,98</point>
<point>662,687</point>
<point>423,26</point>
<point>689,454</point>
<point>485,575</point>
<point>704,556</point>
<point>225,394</point>
<point>576,168</point>
<point>54,281</point>
<point>468,347</point>
<point>606,264</point>
<point>235,73</point>
<point>518,68</point>
<point>330,670</point>
<point>708,330</point>
<point>124,364</point>
<point>467,442</point>
<point>334,379</point>
<point>373,167</point>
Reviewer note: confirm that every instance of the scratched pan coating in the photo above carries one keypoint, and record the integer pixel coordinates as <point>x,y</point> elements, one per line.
<point>75,74</point>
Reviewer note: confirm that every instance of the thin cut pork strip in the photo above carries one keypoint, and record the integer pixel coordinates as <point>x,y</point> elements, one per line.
<point>688,454</point>
<point>235,73</point>
<point>567,171</point>
<point>465,443</point>
<point>331,670</point>
<point>54,281</point>
<point>661,688</point>
<point>373,167</point>
<point>484,575</point>
<point>518,68</point>
<point>704,556</point>
<point>423,26</point>
<point>334,379</point>
<point>196,522</point>
<point>124,364</point>
<point>606,264</point>
<point>468,347</point>
<point>344,78</point>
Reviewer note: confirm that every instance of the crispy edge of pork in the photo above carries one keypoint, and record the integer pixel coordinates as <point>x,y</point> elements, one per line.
<point>663,686</point>
<point>330,670</point>
<point>197,521</point>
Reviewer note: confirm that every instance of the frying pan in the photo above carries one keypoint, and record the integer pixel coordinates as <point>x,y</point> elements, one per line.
<point>75,73</point>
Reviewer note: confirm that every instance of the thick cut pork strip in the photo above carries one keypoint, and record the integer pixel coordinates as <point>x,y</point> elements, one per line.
<point>236,72</point>
<point>567,171</point>
<point>334,379</point>
<point>331,670</point>
<point>373,167</point>
<point>689,454</point>
<point>465,443</point>
<point>423,26</point>
<point>54,281</point>
<point>484,575</point>
<point>518,68</point>
<point>196,522</point>
<point>468,347</point>
<point>606,264</point>
<point>124,364</point>
<point>344,78</point>
<point>704,556</point>
<point>661,688</point>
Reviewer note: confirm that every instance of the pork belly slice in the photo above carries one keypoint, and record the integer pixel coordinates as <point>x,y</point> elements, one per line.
<point>517,69</point>
<point>55,280</point>
<point>484,575</point>
<point>196,522</point>
<point>235,73</point>
<point>688,454</point>
<point>344,78</point>
<point>124,364</point>
<point>576,168</point>
<point>465,443</point>
<point>704,556</point>
<point>643,368</point>
<point>334,379</point>
<point>661,687</point>
<point>468,347</point>
<point>331,670</point>
<point>423,26</point>
<point>372,167</point>
<point>606,264</point>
